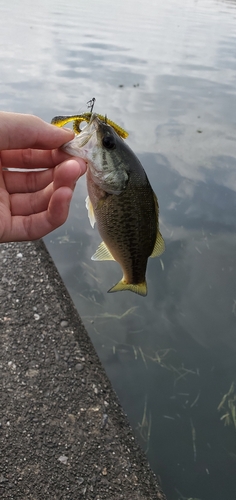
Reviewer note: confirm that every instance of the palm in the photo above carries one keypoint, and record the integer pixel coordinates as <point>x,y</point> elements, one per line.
<point>34,203</point>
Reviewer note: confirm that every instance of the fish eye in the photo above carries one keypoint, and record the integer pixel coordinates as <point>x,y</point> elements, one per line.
<point>108,142</point>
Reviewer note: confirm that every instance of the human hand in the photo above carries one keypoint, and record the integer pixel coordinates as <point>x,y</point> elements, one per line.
<point>33,204</point>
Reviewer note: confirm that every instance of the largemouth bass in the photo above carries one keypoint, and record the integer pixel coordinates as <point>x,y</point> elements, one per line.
<point>121,201</point>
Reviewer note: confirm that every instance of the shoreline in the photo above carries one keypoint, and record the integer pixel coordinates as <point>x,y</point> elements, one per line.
<point>64,434</point>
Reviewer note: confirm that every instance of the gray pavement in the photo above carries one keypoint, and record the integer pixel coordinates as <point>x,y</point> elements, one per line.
<point>63,434</point>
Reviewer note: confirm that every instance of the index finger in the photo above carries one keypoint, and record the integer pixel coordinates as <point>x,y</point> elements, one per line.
<point>32,158</point>
<point>19,131</point>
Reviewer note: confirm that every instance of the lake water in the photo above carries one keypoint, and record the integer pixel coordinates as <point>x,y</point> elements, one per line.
<point>166,72</point>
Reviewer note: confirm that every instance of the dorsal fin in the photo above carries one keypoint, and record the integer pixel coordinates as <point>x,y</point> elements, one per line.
<point>159,246</point>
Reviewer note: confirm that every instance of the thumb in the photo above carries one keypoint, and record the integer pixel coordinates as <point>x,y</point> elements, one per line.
<point>19,131</point>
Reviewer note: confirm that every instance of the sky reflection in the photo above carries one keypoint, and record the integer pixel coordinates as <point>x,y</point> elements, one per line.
<point>172,353</point>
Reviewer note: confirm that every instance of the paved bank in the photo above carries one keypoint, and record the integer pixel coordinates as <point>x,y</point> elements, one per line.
<point>63,432</point>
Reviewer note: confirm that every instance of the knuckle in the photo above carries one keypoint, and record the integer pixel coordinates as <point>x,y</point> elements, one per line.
<point>31,182</point>
<point>27,156</point>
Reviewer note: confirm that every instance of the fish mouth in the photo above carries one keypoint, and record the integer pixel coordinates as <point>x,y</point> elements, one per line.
<point>87,132</point>
<point>87,137</point>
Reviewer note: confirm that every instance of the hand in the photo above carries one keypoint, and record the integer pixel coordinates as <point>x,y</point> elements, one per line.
<point>34,203</point>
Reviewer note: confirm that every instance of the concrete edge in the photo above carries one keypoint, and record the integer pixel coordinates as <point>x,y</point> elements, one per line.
<point>64,434</point>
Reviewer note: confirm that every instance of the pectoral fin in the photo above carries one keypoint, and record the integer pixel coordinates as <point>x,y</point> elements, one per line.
<point>91,215</point>
<point>159,246</point>
<point>102,253</point>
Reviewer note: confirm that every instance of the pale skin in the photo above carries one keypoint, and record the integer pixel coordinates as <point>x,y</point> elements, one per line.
<point>32,204</point>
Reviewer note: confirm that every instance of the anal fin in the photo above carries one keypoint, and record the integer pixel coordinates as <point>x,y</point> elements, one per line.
<point>102,253</point>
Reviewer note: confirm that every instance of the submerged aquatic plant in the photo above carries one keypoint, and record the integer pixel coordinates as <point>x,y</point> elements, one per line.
<point>144,427</point>
<point>228,406</point>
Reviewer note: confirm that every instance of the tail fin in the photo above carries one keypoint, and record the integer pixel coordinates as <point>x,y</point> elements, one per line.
<point>140,288</point>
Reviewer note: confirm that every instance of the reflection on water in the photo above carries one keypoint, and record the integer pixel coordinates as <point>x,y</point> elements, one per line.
<point>171,356</point>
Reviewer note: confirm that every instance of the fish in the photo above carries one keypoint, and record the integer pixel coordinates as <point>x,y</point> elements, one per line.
<point>120,200</point>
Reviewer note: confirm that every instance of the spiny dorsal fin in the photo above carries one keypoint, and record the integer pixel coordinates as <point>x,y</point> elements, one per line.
<point>159,246</point>
<point>102,253</point>
<point>91,215</point>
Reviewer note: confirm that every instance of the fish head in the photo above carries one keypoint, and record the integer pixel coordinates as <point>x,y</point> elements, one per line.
<point>104,152</point>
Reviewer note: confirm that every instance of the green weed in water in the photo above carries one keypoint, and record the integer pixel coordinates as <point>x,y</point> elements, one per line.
<point>144,427</point>
<point>228,406</point>
<point>181,497</point>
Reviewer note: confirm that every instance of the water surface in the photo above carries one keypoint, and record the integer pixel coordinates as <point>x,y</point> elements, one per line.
<point>165,71</point>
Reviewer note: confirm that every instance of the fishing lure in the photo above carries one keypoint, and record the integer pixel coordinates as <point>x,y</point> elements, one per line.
<point>60,121</point>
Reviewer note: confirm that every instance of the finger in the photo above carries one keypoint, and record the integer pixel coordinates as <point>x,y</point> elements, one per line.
<point>65,175</point>
<point>32,158</point>
<point>68,173</point>
<point>27,182</point>
<point>33,227</point>
<point>18,131</point>
<point>59,205</point>
<point>31,203</point>
<point>30,182</point>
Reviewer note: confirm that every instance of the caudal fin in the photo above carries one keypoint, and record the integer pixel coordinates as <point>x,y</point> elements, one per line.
<point>140,288</point>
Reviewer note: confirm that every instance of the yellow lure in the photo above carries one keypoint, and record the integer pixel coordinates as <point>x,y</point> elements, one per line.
<point>60,121</point>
